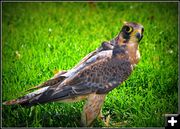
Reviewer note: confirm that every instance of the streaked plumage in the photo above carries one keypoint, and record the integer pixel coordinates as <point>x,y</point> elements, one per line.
<point>98,73</point>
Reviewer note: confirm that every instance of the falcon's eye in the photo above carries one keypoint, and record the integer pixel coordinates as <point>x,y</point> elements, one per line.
<point>128,29</point>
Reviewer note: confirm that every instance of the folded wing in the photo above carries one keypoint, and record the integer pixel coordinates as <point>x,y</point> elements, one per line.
<point>98,73</point>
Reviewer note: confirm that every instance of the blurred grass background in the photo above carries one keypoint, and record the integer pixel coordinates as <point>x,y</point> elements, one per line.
<point>41,38</point>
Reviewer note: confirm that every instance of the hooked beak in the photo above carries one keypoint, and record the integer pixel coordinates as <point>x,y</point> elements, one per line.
<point>139,36</point>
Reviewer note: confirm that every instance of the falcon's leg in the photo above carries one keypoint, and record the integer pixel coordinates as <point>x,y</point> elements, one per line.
<point>92,108</point>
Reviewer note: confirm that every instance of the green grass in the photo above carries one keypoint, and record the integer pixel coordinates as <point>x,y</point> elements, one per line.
<point>31,53</point>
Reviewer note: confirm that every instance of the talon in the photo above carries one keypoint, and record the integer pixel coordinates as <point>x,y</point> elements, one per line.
<point>101,117</point>
<point>107,121</point>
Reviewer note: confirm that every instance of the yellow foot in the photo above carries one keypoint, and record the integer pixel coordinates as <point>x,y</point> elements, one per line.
<point>120,124</point>
<point>106,120</point>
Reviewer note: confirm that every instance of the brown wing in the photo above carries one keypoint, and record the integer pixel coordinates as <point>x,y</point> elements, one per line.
<point>99,74</point>
<point>98,77</point>
<point>60,76</point>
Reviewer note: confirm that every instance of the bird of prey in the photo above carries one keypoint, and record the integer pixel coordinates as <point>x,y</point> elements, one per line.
<point>93,77</point>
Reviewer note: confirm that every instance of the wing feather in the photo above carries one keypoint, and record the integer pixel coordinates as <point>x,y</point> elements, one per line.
<point>100,74</point>
<point>60,76</point>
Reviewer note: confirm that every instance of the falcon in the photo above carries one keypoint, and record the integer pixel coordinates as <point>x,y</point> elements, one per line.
<point>93,77</point>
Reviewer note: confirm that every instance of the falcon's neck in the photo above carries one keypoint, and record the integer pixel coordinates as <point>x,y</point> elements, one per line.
<point>133,52</point>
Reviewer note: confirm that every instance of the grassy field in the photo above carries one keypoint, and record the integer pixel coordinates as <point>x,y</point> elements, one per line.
<point>41,38</point>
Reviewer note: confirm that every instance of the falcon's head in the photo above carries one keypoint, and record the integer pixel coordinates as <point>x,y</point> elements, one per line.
<point>129,37</point>
<point>131,32</point>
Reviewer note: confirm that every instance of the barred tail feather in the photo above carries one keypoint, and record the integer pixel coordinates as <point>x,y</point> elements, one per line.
<point>26,99</point>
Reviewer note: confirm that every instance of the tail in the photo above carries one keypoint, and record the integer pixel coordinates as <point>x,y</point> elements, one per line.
<point>25,100</point>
